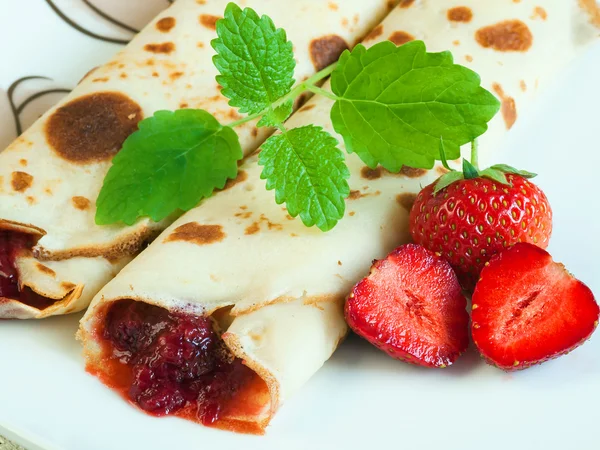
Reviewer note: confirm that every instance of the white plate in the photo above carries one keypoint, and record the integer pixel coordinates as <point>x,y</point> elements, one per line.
<point>361,398</point>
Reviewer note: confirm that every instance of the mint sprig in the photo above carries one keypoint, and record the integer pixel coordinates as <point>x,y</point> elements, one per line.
<point>173,161</point>
<point>308,173</point>
<point>394,106</point>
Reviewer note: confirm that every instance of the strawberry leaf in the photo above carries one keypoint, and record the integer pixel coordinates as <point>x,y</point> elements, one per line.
<point>308,173</point>
<point>172,162</point>
<point>509,169</point>
<point>446,180</point>
<point>394,103</point>
<point>469,170</point>
<point>255,60</point>
<point>495,175</point>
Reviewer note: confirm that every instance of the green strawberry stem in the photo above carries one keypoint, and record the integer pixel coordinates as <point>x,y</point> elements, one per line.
<point>474,157</point>
<point>470,170</point>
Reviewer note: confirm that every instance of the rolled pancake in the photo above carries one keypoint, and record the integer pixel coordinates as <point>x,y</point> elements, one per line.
<point>277,288</point>
<point>50,177</point>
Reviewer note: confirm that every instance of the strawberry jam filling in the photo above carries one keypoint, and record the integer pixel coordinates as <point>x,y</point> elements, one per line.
<point>12,244</point>
<point>171,363</point>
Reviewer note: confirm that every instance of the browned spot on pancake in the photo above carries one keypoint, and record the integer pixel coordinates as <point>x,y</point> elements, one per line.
<point>88,73</point>
<point>460,14</point>
<point>333,6</point>
<point>592,8</point>
<point>30,199</point>
<point>345,22</point>
<point>355,19</point>
<point>173,76</point>
<point>539,12</point>
<point>48,191</point>
<point>375,33</point>
<point>469,58</point>
<point>253,229</point>
<point>270,225</point>
<point>412,172</point>
<point>441,170</point>
<point>23,162</point>
<point>93,127</point>
<point>81,203</point>
<point>233,114</point>
<point>288,217</point>
<point>326,50</point>
<point>351,213</point>
<point>241,177</point>
<point>197,234</point>
<point>506,36</point>
<point>21,181</point>
<point>100,80</point>
<point>201,2</point>
<point>150,62</point>
<point>123,75</point>
<point>307,107</point>
<point>165,47</point>
<point>209,21</point>
<point>200,45</point>
<point>370,174</point>
<point>523,85</point>
<point>183,105</point>
<point>406,3</point>
<point>244,215</point>
<point>406,200</point>
<point>243,207</point>
<point>354,195</point>
<point>165,24</point>
<point>254,132</point>
<point>339,263</point>
<point>509,107</point>
<point>155,74</point>
<point>44,269</point>
<point>401,37</point>
<point>121,66</point>
<point>457,42</point>
<point>67,285</point>
<point>293,235</point>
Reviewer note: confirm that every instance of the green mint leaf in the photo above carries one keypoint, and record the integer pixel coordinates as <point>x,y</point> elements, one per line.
<point>509,169</point>
<point>396,102</point>
<point>495,175</point>
<point>173,161</point>
<point>278,115</point>
<point>308,173</point>
<point>255,60</point>
<point>469,170</point>
<point>446,180</point>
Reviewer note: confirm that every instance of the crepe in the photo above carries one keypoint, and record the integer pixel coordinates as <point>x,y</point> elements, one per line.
<point>52,174</point>
<point>280,285</point>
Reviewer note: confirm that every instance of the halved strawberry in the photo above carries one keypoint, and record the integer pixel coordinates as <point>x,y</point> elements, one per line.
<point>528,309</point>
<point>411,307</point>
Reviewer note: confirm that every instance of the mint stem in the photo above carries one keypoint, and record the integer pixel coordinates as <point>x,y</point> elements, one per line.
<point>323,92</point>
<point>308,84</point>
<point>474,157</point>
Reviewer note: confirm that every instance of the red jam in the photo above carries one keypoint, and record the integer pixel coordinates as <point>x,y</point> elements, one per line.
<point>176,362</point>
<point>11,244</point>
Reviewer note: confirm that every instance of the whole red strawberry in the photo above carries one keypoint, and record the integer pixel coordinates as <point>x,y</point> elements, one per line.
<point>470,217</point>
